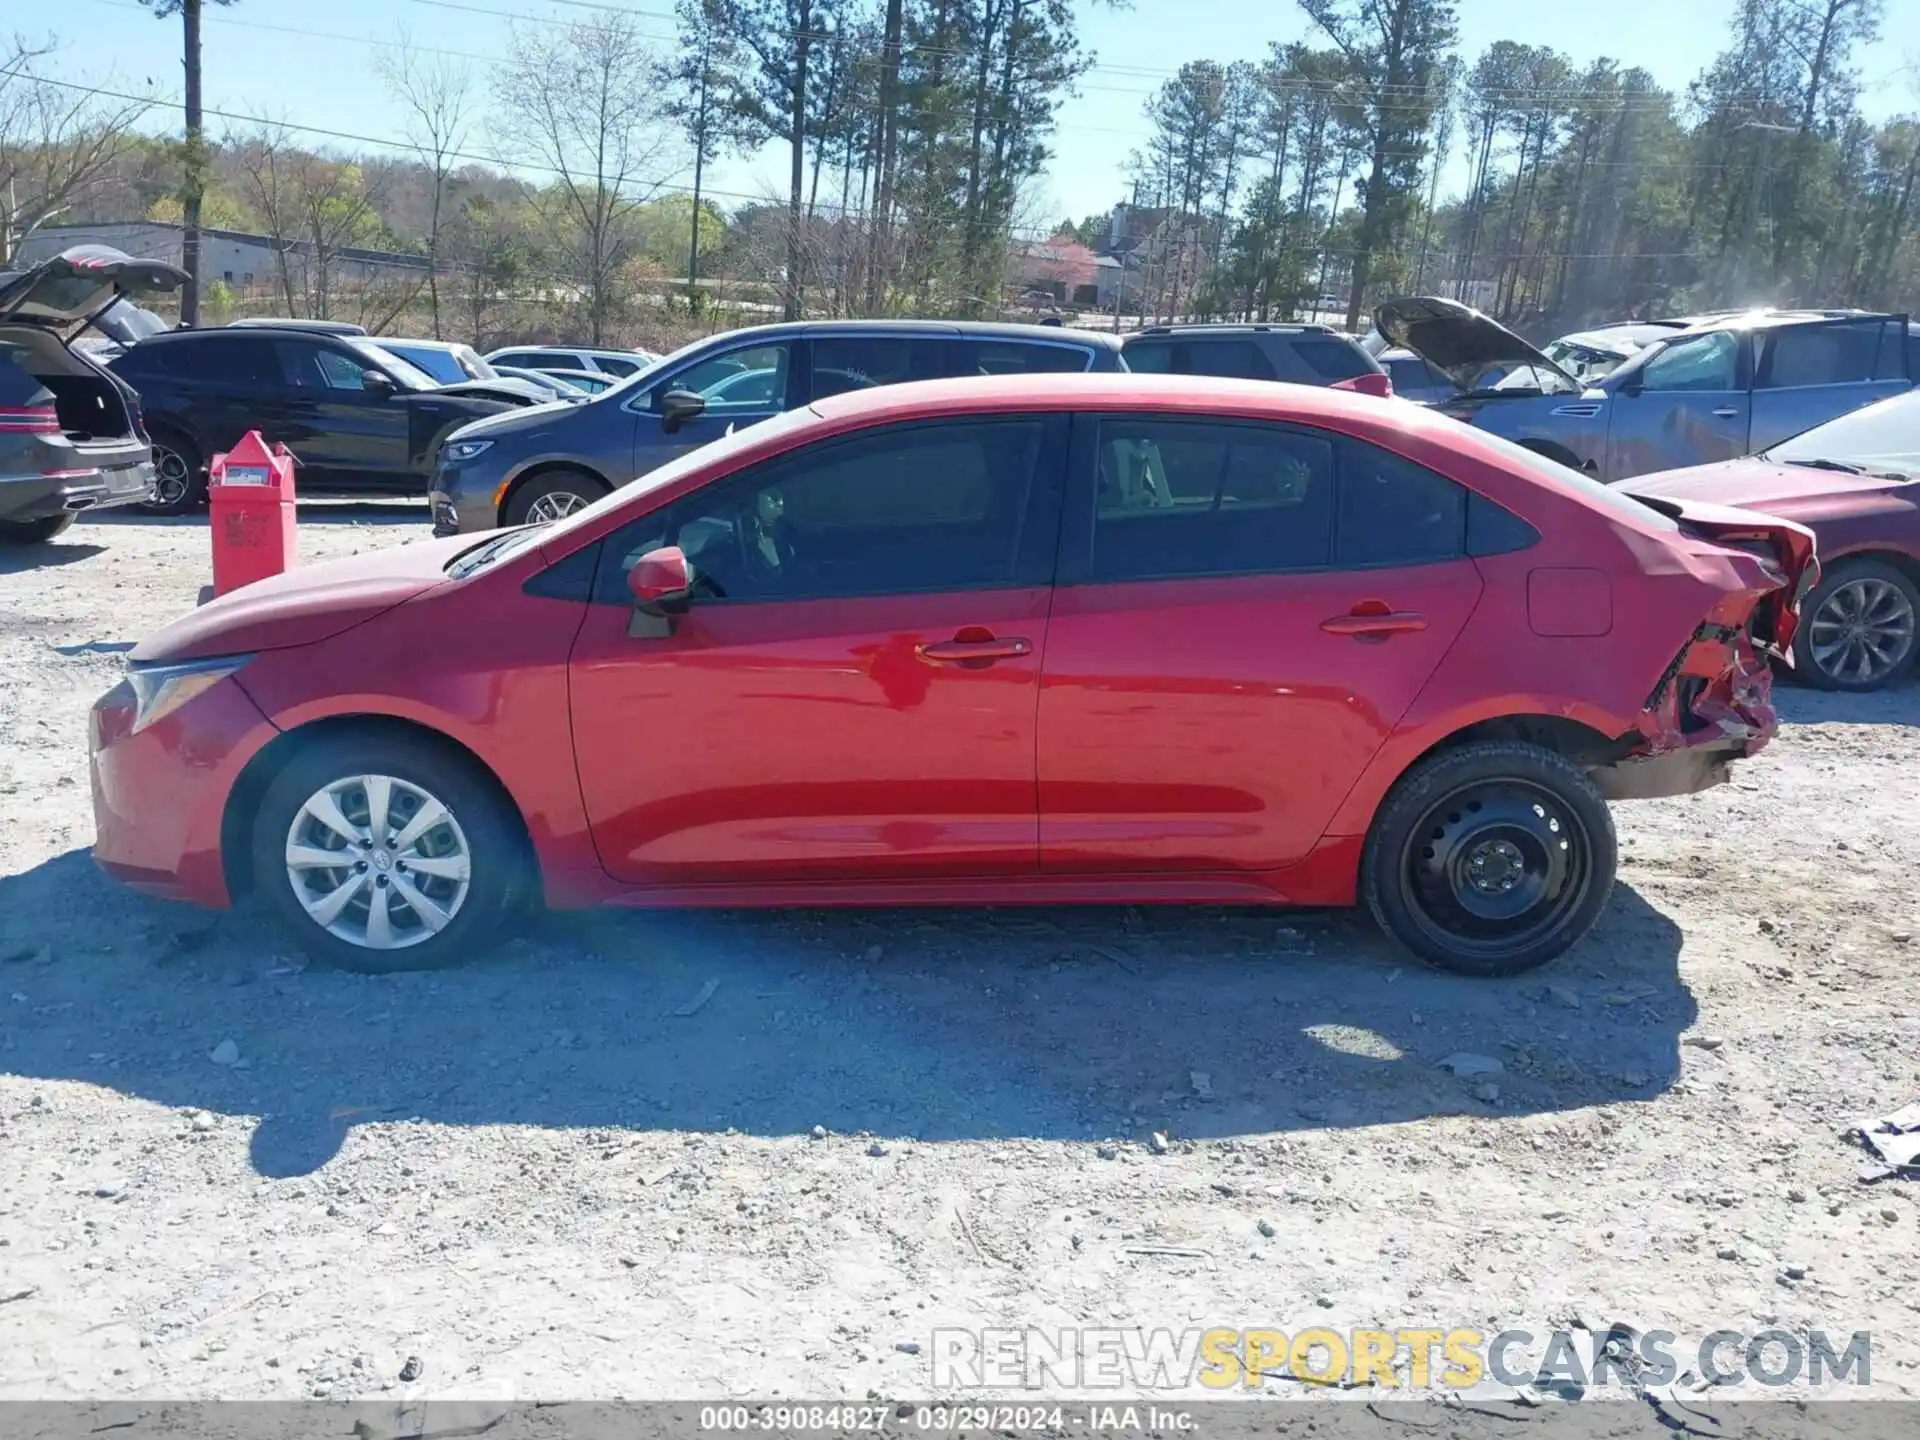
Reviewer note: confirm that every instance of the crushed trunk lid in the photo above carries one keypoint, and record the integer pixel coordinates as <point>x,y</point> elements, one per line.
<point>66,292</point>
<point>1464,345</point>
<point>1789,547</point>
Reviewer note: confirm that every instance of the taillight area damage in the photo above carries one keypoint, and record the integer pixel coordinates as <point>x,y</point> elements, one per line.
<point>1713,704</point>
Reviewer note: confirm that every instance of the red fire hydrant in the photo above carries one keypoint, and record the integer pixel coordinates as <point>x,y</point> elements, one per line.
<point>250,495</point>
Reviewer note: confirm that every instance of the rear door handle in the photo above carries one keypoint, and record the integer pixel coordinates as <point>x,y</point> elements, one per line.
<point>1726,412</point>
<point>960,652</point>
<point>1366,625</point>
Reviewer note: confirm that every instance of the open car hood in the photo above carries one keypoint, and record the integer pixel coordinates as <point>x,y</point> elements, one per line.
<point>1459,341</point>
<point>68,290</point>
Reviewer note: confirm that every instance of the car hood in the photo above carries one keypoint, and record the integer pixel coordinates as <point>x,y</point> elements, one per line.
<point>1458,340</point>
<point>1759,484</point>
<point>305,605</point>
<point>532,417</point>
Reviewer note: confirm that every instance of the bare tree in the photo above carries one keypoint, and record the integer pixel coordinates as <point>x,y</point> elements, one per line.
<point>264,161</point>
<point>584,104</point>
<point>58,143</point>
<point>435,94</point>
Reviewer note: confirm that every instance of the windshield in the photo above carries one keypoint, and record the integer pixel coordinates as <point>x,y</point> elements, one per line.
<point>441,366</point>
<point>1883,439</point>
<point>1585,362</point>
<point>401,369</point>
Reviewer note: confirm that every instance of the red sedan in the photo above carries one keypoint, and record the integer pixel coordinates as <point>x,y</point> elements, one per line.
<point>1047,639</point>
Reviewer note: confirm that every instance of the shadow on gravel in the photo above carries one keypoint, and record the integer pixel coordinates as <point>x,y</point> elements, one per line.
<point>1802,705</point>
<point>317,511</point>
<point>942,1025</point>
<point>17,559</point>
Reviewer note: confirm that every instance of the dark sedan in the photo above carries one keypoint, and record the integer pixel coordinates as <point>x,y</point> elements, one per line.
<point>547,463</point>
<point>1855,482</point>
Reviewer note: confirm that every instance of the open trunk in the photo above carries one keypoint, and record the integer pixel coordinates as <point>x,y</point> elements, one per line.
<point>87,407</point>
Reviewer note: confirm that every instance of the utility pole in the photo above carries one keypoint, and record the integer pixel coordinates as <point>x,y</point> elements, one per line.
<point>195,180</point>
<point>699,165</point>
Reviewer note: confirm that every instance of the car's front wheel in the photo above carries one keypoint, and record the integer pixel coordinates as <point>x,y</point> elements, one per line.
<point>34,532</point>
<point>1491,858</point>
<point>383,852</point>
<point>1857,629</point>
<point>552,496</point>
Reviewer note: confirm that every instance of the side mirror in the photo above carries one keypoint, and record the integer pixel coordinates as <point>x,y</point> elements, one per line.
<point>677,407</point>
<point>661,581</point>
<point>377,384</point>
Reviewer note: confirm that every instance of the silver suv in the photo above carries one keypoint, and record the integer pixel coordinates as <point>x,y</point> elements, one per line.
<point>1718,390</point>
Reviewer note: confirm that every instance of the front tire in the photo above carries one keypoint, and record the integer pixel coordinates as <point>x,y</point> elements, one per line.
<point>552,496</point>
<point>384,852</point>
<point>35,532</point>
<point>179,476</point>
<point>1857,629</point>
<point>1490,859</point>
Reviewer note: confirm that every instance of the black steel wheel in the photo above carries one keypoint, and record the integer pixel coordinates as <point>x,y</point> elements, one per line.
<point>1490,859</point>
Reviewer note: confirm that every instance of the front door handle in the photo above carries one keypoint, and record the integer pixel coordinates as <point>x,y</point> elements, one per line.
<point>1726,412</point>
<point>1374,624</point>
<point>973,646</point>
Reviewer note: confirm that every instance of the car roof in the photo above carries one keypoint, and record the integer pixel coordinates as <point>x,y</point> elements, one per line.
<point>1118,391</point>
<point>230,333</point>
<point>1774,319</point>
<point>1232,327</point>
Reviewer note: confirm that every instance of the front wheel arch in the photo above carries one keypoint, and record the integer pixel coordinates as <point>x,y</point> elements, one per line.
<point>243,801</point>
<point>534,474</point>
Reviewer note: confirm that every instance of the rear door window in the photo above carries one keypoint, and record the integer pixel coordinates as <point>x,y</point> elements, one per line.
<point>239,361</point>
<point>1850,353</point>
<point>1226,356</point>
<point>1330,359</point>
<point>1194,497</point>
<point>1015,357</point>
<point>861,362</point>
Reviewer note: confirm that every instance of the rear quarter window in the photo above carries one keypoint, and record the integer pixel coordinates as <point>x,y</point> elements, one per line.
<point>1330,359</point>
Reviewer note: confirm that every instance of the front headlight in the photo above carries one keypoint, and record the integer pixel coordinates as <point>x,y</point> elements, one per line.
<point>462,450</point>
<point>159,690</point>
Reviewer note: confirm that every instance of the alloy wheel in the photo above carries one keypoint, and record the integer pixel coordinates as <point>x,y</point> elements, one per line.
<point>1494,865</point>
<point>378,862</point>
<point>171,476</point>
<point>1863,631</point>
<point>555,506</point>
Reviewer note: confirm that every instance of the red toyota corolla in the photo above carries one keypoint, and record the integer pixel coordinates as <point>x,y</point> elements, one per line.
<point>1054,638</point>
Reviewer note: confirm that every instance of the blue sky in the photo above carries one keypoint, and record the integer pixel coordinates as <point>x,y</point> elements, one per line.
<point>256,65</point>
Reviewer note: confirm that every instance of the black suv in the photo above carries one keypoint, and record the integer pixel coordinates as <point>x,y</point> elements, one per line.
<point>359,419</point>
<point>70,434</point>
<point>549,462</point>
<point>1299,354</point>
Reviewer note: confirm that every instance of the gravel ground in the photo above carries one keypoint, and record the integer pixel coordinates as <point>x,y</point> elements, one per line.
<point>540,1179</point>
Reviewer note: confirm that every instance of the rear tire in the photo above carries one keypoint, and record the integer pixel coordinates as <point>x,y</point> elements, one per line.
<point>35,532</point>
<point>1860,610</point>
<point>180,476</point>
<point>552,496</point>
<point>430,880</point>
<point>1490,859</point>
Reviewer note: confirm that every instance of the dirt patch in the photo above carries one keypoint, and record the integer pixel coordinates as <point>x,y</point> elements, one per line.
<point>230,1175</point>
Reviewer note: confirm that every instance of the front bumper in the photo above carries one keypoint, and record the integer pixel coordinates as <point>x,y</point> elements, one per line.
<point>463,499</point>
<point>36,495</point>
<point>159,796</point>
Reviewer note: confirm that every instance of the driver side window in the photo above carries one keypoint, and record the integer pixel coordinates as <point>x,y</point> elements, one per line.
<point>904,509</point>
<point>1707,362</point>
<point>735,382</point>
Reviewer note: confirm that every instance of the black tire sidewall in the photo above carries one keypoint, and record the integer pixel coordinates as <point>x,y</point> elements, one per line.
<point>35,532</point>
<point>496,849</point>
<point>1804,667</point>
<point>576,482</point>
<point>1407,803</point>
<point>196,475</point>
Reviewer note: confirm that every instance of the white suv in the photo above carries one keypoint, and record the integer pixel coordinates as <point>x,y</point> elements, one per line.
<point>618,363</point>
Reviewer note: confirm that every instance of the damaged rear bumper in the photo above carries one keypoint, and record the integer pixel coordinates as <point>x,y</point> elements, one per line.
<point>1714,705</point>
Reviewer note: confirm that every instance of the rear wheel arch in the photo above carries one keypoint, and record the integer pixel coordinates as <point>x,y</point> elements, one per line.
<point>250,787</point>
<point>534,474</point>
<point>1573,739</point>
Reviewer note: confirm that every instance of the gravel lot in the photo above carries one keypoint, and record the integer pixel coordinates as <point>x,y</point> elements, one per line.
<point>538,1179</point>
